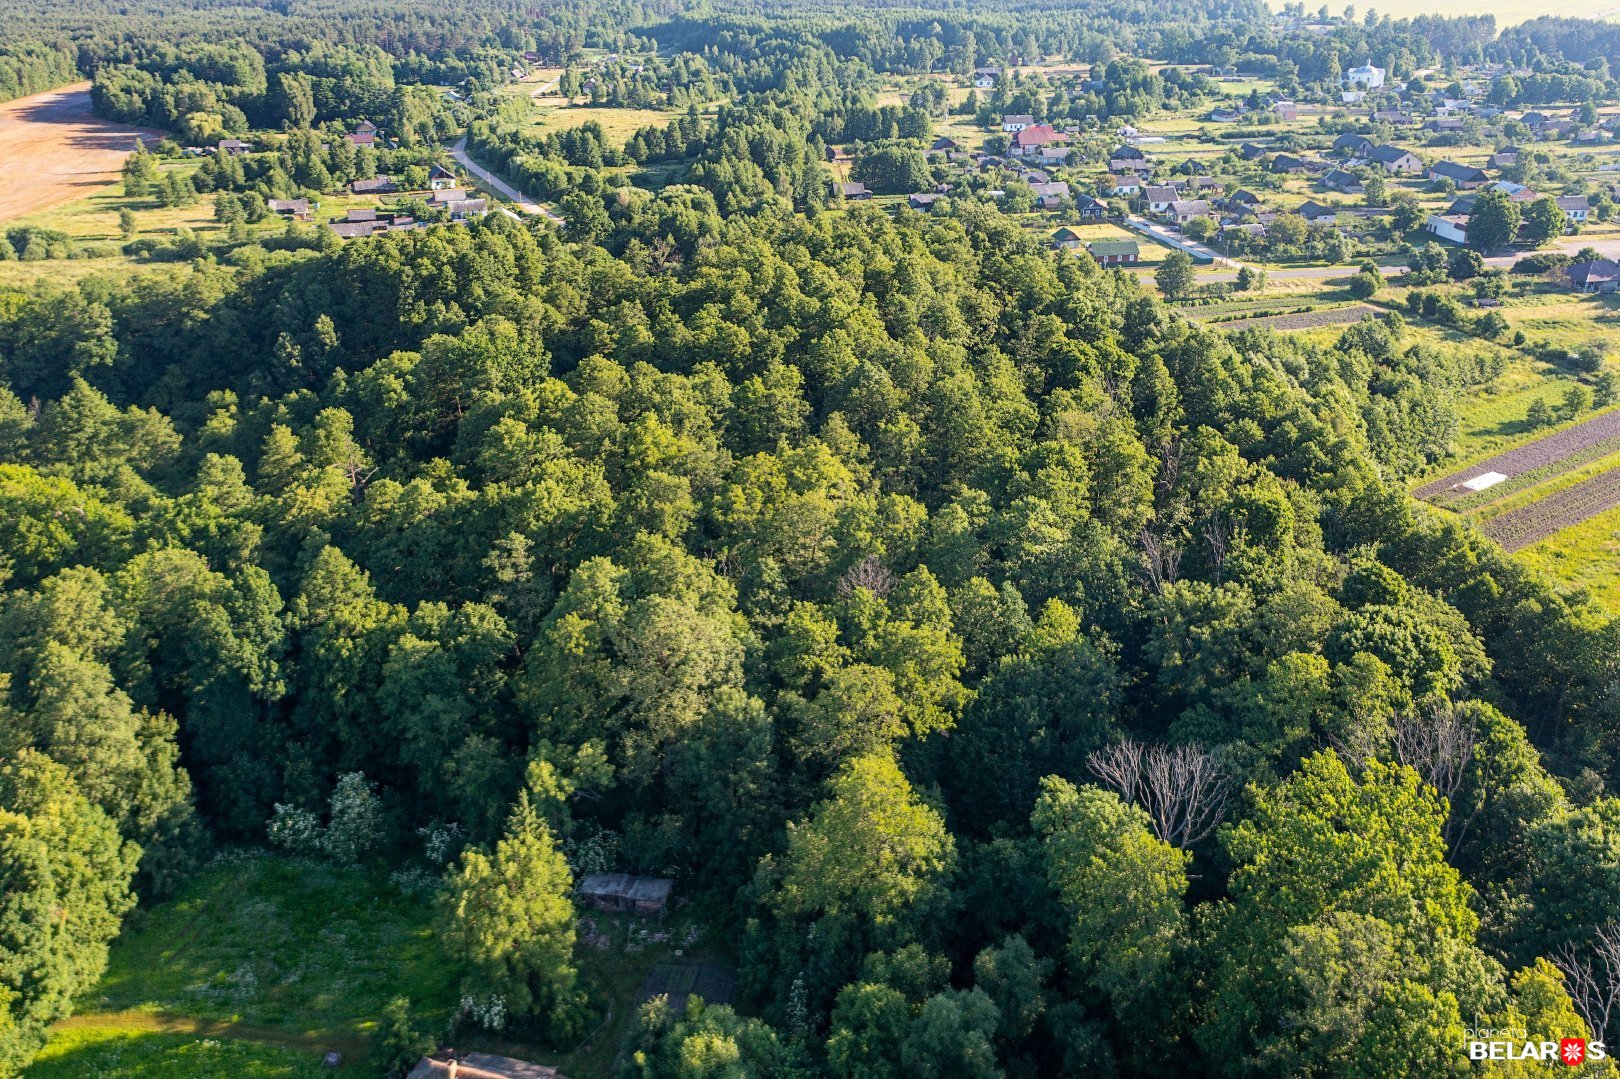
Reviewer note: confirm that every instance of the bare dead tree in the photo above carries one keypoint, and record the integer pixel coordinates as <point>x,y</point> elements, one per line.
<point>1218,534</point>
<point>1119,766</point>
<point>355,468</point>
<point>869,573</point>
<point>1439,745</point>
<point>1183,789</point>
<point>1592,977</point>
<point>1161,561</point>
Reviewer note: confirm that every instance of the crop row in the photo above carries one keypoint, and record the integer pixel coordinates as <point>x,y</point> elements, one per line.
<point>1523,526</point>
<point>1307,320</point>
<point>1551,449</point>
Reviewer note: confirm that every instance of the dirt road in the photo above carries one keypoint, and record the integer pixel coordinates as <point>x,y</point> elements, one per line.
<point>53,149</point>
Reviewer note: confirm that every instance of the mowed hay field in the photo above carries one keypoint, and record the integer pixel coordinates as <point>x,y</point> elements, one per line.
<point>53,149</point>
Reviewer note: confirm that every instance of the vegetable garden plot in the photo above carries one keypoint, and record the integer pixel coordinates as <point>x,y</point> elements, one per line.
<point>1554,448</point>
<point>1521,527</point>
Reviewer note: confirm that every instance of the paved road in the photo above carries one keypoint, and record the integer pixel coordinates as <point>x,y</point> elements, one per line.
<point>516,197</point>
<point>1172,238</point>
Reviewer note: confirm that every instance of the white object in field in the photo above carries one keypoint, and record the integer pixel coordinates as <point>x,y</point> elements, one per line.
<point>1488,479</point>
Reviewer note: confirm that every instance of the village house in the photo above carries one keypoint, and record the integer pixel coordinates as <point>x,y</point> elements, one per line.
<point>1226,115</point>
<point>1251,151</point>
<point>1090,209</point>
<point>1598,275</point>
<point>1286,111</point>
<point>1242,199</point>
<point>1398,117</point>
<point>1507,155</point>
<point>1128,159</point>
<point>625,893</point>
<point>1124,186</point>
<point>1443,124</point>
<point>1014,122</point>
<point>923,201</point>
<point>1465,177</point>
<point>984,78</point>
<point>364,134</point>
<point>440,177</point>
<point>1050,196</point>
<point>1314,211</point>
<point>1352,145</point>
<point>1342,181</point>
<point>1288,164</point>
<point>1114,252</point>
<point>1184,210</point>
<point>1448,226</point>
<point>1396,161</point>
<point>944,145</point>
<point>1159,197</point>
<point>1029,141</point>
<point>234,146</point>
<point>854,191</point>
<point>1575,207</point>
<point>370,222</point>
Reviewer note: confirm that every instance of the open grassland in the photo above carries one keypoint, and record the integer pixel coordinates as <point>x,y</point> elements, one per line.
<point>264,962</point>
<point>304,948</point>
<point>112,1050</point>
<point>1586,555</point>
<point>55,150</point>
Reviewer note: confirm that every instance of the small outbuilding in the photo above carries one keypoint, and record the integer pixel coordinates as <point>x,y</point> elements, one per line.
<point>626,893</point>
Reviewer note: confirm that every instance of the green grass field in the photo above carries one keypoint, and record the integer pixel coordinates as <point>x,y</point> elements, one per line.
<point>113,1051</point>
<point>303,947</point>
<point>264,962</point>
<point>1584,556</point>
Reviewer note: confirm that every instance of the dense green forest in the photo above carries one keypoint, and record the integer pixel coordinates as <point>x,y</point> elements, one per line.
<point>1027,680</point>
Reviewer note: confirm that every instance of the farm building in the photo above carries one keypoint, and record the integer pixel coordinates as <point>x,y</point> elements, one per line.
<point>297,209</point>
<point>1067,237</point>
<point>450,1065</point>
<point>378,185</point>
<point>854,191</point>
<point>626,893</point>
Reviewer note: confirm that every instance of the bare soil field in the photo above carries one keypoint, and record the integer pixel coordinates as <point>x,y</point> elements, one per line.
<point>1527,524</point>
<point>53,149</point>
<point>1539,454</point>
<point>1303,320</point>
